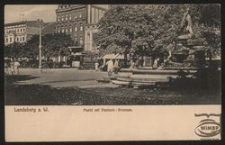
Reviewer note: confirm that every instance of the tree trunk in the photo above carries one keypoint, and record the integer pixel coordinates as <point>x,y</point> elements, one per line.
<point>125,58</point>
<point>142,59</point>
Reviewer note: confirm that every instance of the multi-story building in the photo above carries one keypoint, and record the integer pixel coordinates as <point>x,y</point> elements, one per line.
<point>20,31</point>
<point>80,22</point>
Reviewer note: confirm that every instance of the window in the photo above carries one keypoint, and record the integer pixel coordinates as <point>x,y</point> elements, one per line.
<point>58,19</point>
<point>62,18</point>
<point>70,28</point>
<point>17,39</point>
<point>81,40</point>
<point>6,40</point>
<point>75,28</point>
<point>20,30</point>
<point>75,40</point>
<point>62,29</point>
<point>80,15</point>
<point>23,38</point>
<point>75,16</point>
<point>70,17</point>
<point>66,30</point>
<point>81,28</point>
<point>66,17</point>
<point>10,39</point>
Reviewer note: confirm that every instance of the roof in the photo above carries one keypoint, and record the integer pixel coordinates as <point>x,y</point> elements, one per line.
<point>32,23</point>
<point>33,30</point>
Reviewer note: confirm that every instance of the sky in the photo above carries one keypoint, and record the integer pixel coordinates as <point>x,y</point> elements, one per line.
<point>15,13</point>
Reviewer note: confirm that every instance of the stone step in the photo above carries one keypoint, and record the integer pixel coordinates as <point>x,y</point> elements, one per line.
<point>141,80</point>
<point>107,79</point>
<point>140,84</point>
<point>103,81</point>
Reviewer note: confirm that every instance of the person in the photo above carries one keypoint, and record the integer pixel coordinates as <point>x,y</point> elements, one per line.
<point>11,67</point>
<point>116,66</point>
<point>16,67</point>
<point>155,65</point>
<point>6,67</point>
<point>109,67</point>
<point>132,65</point>
<point>96,66</point>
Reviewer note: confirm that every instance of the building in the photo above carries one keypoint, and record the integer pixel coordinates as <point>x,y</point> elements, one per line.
<point>20,31</point>
<point>80,21</point>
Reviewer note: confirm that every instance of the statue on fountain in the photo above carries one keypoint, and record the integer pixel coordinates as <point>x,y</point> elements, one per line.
<point>179,51</point>
<point>186,26</point>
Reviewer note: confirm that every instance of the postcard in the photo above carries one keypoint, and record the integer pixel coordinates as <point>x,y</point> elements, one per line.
<point>112,72</point>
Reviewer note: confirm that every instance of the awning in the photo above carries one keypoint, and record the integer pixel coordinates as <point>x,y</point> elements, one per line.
<point>109,56</point>
<point>113,56</point>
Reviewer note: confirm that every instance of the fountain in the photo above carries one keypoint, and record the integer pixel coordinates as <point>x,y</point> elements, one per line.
<point>186,55</point>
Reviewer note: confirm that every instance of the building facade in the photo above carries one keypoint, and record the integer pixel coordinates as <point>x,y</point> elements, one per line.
<point>20,31</point>
<point>80,21</point>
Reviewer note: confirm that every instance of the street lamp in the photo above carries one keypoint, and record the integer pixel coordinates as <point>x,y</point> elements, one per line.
<point>40,63</point>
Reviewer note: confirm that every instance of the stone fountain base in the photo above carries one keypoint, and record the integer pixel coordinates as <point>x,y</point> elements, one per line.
<point>147,77</point>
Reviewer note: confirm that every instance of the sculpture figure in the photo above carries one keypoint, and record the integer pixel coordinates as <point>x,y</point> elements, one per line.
<point>186,25</point>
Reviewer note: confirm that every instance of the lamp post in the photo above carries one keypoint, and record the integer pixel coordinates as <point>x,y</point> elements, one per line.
<point>40,63</point>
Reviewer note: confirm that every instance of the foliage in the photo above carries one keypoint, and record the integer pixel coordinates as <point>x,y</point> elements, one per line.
<point>52,45</point>
<point>150,28</point>
<point>13,50</point>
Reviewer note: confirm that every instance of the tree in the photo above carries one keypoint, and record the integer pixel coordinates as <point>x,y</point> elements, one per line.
<point>52,45</point>
<point>149,28</point>
<point>14,50</point>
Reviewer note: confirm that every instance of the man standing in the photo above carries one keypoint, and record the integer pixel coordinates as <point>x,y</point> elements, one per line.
<point>109,67</point>
<point>96,65</point>
<point>116,66</point>
<point>16,67</point>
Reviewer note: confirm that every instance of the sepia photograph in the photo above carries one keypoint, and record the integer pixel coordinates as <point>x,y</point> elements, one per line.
<point>108,58</point>
<point>112,54</point>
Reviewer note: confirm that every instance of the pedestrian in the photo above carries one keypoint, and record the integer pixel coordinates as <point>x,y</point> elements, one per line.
<point>132,65</point>
<point>6,65</point>
<point>16,67</point>
<point>96,66</point>
<point>109,67</point>
<point>11,67</point>
<point>116,66</point>
<point>156,63</point>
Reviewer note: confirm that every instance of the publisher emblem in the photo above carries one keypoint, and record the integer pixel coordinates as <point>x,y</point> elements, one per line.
<point>208,127</point>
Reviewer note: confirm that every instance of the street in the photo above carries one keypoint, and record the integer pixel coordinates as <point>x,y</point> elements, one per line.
<point>69,77</point>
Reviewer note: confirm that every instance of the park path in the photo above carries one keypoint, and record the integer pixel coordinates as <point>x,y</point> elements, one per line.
<point>68,77</point>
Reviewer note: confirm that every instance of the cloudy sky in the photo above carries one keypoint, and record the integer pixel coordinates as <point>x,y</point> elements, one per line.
<point>15,13</point>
